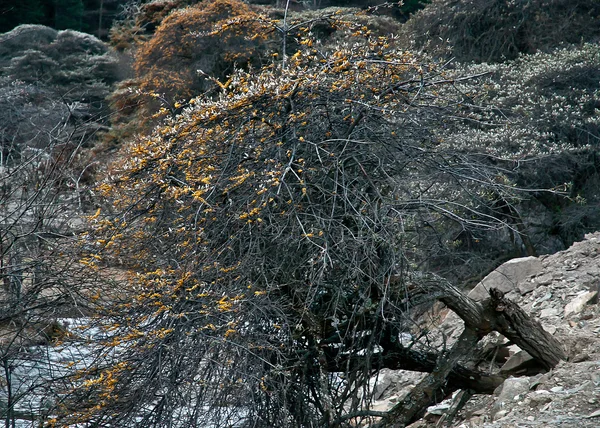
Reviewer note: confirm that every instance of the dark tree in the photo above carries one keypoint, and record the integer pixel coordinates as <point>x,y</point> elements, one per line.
<point>13,13</point>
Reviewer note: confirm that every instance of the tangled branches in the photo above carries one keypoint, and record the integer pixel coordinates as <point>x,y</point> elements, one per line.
<point>270,233</point>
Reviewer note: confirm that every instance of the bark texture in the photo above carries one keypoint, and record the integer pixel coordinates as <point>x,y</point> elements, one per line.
<point>422,395</point>
<point>528,334</point>
<point>494,314</point>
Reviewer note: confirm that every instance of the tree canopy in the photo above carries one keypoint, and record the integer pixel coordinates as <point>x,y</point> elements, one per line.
<point>498,30</point>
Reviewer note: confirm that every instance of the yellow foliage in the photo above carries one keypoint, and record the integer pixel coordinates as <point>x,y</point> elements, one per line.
<point>200,202</point>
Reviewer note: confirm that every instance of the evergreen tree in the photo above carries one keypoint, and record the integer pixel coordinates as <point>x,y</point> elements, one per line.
<point>68,14</point>
<point>13,13</point>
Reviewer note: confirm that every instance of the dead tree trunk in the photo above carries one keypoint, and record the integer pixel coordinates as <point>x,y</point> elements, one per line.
<point>424,393</point>
<point>528,334</point>
<point>397,357</point>
<point>494,314</point>
<point>506,317</point>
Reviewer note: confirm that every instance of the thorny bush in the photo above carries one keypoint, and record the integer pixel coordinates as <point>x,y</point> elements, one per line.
<point>269,234</point>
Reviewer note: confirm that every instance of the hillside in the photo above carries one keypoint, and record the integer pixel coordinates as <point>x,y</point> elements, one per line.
<point>561,290</point>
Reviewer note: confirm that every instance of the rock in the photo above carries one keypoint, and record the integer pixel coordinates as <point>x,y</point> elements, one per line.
<point>540,398</point>
<point>384,380</point>
<point>475,421</point>
<point>390,386</point>
<point>406,339</point>
<point>542,299</point>
<point>586,316</point>
<point>528,286</point>
<point>511,389</point>
<point>418,424</point>
<point>517,362</point>
<point>479,293</point>
<point>585,386</point>
<point>579,358</point>
<point>439,409</point>
<point>507,277</point>
<point>539,379</point>
<point>576,305</point>
<point>594,414</point>
<point>568,282</point>
<point>544,279</point>
<point>500,414</point>
<point>548,312</point>
<point>384,405</point>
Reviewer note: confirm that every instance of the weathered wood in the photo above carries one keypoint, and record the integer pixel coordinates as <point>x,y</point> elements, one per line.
<point>445,374</point>
<point>397,357</point>
<point>506,317</point>
<point>460,377</point>
<point>422,395</point>
<point>457,404</point>
<point>494,314</point>
<point>469,310</point>
<point>528,334</point>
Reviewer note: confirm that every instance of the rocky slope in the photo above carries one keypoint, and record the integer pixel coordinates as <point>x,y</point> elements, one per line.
<point>561,291</point>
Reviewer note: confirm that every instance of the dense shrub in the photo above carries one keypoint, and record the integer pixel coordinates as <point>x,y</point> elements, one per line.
<point>268,228</point>
<point>53,87</point>
<point>495,30</point>
<point>331,26</point>
<point>22,38</point>
<point>139,22</point>
<point>180,53</point>
<point>550,103</point>
<point>405,8</point>
<point>71,42</point>
<point>215,37</point>
<point>197,43</point>
<point>75,65</point>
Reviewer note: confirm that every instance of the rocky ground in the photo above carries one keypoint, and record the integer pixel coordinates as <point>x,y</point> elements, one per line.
<point>561,291</point>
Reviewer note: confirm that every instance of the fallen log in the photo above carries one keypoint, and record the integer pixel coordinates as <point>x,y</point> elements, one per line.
<point>494,314</point>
